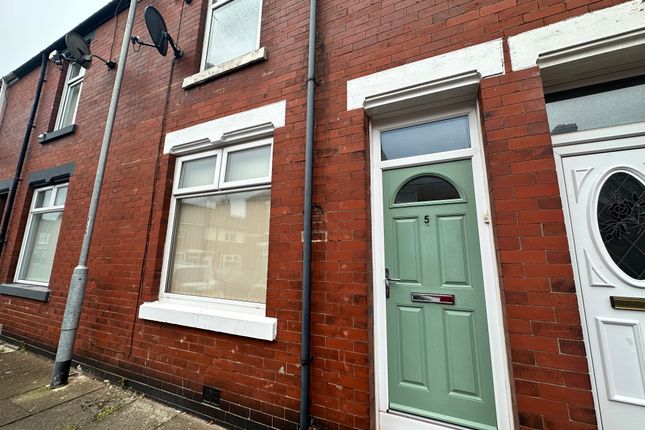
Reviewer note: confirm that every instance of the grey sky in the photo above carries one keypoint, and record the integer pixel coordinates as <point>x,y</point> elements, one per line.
<point>28,26</point>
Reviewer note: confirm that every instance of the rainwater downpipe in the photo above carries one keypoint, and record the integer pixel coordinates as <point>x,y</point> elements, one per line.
<point>305,355</point>
<point>23,153</point>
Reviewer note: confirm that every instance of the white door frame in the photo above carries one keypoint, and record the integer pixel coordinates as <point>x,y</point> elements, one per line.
<point>607,139</point>
<point>497,338</point>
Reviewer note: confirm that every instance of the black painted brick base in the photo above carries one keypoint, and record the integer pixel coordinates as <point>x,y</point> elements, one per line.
<point>161,391</point>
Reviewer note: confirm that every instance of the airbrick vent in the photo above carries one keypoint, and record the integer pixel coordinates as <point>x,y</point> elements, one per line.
<point>211,395</point>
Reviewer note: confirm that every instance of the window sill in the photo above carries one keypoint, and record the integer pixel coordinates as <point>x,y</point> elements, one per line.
<point>33,292</point>
<point>56,134</point>
<point>226,67</point>
<point>240,324</point>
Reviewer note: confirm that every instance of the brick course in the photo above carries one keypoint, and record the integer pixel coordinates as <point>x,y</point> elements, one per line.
<point>260,380</point>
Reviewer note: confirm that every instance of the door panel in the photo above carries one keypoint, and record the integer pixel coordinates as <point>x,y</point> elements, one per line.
<point>408,249</point>
<point>453,251</point>
<point>438,354</point>
<point>621,346</point>
<point>411,352</point>
<point>606,201</point>
<point>461,353</point>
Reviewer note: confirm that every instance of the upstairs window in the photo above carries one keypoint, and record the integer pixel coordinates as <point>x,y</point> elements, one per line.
<point>3,202</point>
<point>70,97</point>
<point>232,30</point>
<point>3,98</point>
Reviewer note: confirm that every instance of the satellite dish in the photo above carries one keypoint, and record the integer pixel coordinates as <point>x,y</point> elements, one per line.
<point>157,29</point>
<point>78,49</point>
<point>158,33</point>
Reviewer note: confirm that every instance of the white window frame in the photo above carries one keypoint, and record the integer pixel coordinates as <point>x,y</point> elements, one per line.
<point>224,185</point>
<point>217,188</point>
<point>207,30</point>
<point>36,211</point>
<point>64,100</point>
<point>201,188</point>
<point>3,98</point>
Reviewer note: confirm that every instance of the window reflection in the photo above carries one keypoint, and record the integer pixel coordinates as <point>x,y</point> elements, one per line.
<point>431,138</point>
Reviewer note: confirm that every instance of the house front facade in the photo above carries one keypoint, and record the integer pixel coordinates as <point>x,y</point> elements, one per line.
<point>478,243</point>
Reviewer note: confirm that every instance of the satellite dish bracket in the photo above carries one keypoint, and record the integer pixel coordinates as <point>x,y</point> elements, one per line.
<point>59,57</point>
<point>136,40</point>
<point>109,63</point>
<point>78,51</point>
<point>175,49</point>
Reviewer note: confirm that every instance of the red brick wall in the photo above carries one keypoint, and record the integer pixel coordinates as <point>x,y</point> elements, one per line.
<point>547,353</point>
<point>259,380</point>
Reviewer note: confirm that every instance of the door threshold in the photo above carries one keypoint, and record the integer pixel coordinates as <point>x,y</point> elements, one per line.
<point>396,419</point>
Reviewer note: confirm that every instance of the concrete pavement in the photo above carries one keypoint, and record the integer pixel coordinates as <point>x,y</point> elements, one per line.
<point>26,403</point>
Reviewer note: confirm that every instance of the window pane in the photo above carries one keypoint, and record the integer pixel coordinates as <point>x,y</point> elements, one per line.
<point>43,199</point>
<point>61,196</point>
<point>41,246</point>
<point>220,246</point>
<point>3,201</point>
<point>234,31</point>
<point>198,172</point>
<point>426,188</point>
<point>438,136</point>
<point>621,218</point>
<point>248,164</point>
<point>69,109</point>
<point>74,70</point>
<point>596,107</point>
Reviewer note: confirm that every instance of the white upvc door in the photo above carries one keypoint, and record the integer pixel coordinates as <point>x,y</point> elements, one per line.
<point>605,195</point>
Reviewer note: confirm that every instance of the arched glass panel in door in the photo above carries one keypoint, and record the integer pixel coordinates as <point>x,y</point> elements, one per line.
<point>621,219</point>
<point>426,188</point>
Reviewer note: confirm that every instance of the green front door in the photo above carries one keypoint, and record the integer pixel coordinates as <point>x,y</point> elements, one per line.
<point>438,353</point>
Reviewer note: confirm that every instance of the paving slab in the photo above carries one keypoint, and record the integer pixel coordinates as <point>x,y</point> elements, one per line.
<point>44,398</point>
<point>18,361</point>
<point>77,413</point>
<point>186,422</point>
<point>6,348</point>
<point>10,412</point>
<point>23,381</point>
<point>27,403</point>
<point>142,414</point>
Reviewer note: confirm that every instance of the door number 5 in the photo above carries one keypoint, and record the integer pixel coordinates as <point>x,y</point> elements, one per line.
<point>426,219</point>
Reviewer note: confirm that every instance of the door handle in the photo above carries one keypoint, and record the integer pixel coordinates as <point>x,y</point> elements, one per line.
<point>387,282</point>
<point>388,279</point>
<point>387,276</point>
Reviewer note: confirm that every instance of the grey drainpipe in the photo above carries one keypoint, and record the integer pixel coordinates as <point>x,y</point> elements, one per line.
<point>23,153</point>
<point>305,356</point>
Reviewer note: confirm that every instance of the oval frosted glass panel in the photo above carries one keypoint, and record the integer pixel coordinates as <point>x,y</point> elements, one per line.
<point>439,136</point>
<point>621,219</point>
<point>426,189</point>
<point>604,105</point>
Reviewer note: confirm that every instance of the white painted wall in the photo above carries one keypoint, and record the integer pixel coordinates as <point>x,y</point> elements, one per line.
<point>486,58</point>
<point>212,131</point>
<point>525,47</point>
